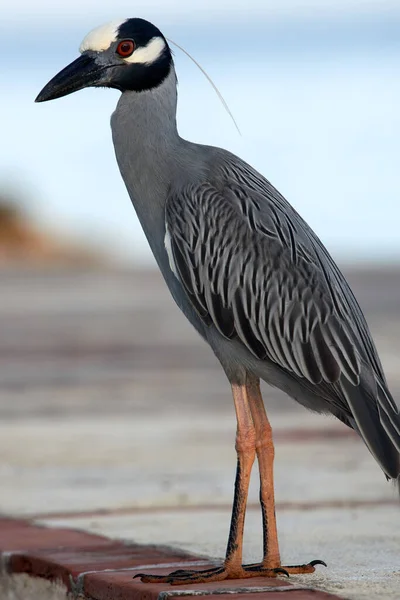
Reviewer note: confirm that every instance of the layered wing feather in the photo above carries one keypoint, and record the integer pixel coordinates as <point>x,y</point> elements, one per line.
<point>254,269</point>
<point>241,273</point>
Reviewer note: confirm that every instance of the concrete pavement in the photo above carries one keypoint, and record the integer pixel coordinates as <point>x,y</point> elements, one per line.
<point>116,419</point>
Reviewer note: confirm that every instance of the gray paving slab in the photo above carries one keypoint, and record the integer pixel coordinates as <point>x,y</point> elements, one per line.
<point>79,466</point>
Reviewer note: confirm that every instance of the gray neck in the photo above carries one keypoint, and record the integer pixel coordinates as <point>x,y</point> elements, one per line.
<point>145,138</point>
<point>153,159</point>
<point>148,150</point>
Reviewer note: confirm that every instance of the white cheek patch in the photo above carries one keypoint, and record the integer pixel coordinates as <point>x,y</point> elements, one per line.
<point>102,37</point>
<point>149,53</point>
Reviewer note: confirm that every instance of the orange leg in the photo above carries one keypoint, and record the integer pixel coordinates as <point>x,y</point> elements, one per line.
<point>265,456</point>
<point>253,437</point>
<point>246,453</point>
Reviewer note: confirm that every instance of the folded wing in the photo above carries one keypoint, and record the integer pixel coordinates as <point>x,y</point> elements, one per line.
<point>253,269</point>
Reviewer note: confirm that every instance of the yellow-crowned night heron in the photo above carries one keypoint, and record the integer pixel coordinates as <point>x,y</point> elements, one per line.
<point>246,270</point>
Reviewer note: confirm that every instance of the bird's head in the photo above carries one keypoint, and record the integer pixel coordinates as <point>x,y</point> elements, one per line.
<point>127,55</point>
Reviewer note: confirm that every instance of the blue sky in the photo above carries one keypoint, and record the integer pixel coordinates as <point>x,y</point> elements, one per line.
<point>316,93</point>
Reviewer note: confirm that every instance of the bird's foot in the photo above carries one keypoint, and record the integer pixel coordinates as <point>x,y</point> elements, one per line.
<point>262,570</point>
<point>227,571</point>
<point>183,577</point>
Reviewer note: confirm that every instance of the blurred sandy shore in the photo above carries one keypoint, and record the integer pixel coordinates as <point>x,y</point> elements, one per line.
<point>112,341</point>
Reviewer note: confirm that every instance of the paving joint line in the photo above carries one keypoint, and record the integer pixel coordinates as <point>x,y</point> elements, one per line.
<point>234,591</point>
<point>282,506</point>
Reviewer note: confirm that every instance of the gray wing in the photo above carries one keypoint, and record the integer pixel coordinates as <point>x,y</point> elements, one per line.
<point>254,269</point>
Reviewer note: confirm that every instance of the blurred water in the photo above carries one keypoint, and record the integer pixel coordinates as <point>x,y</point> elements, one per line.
<point>316,100</point>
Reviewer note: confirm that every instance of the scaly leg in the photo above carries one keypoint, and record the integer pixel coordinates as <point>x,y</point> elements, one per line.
<point>265,456</point>
<point>246,451</point>
<point>253,436</point>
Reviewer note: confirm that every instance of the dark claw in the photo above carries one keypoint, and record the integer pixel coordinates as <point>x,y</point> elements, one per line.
<point>317,562</point>
<point>281,571</point>
<point>138,575</point>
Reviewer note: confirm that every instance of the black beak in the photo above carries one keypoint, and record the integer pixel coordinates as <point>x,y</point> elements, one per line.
<point>83,72</point>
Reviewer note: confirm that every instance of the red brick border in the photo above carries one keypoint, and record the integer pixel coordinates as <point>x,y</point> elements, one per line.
<point>102,569</point>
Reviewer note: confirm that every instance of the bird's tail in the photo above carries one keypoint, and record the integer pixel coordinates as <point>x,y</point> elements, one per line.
<point>377,419</point>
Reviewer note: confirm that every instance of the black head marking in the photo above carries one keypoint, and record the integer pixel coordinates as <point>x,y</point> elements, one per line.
<point>136,76</point>
<point>140,30</point>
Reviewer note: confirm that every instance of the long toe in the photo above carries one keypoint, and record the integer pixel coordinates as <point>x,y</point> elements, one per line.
<point>262,570</point>
<point>182,577</point>
<point>209,575</point>
<point>303,569</point>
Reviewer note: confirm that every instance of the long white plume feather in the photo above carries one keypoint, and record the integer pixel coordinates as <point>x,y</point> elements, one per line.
<point>220,96</point>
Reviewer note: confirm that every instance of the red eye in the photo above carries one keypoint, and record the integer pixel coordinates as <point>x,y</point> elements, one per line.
<point>125,48</point>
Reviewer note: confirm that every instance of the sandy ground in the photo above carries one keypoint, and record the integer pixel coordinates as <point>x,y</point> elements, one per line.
<point>108,399</point>
<point>23,587</point>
